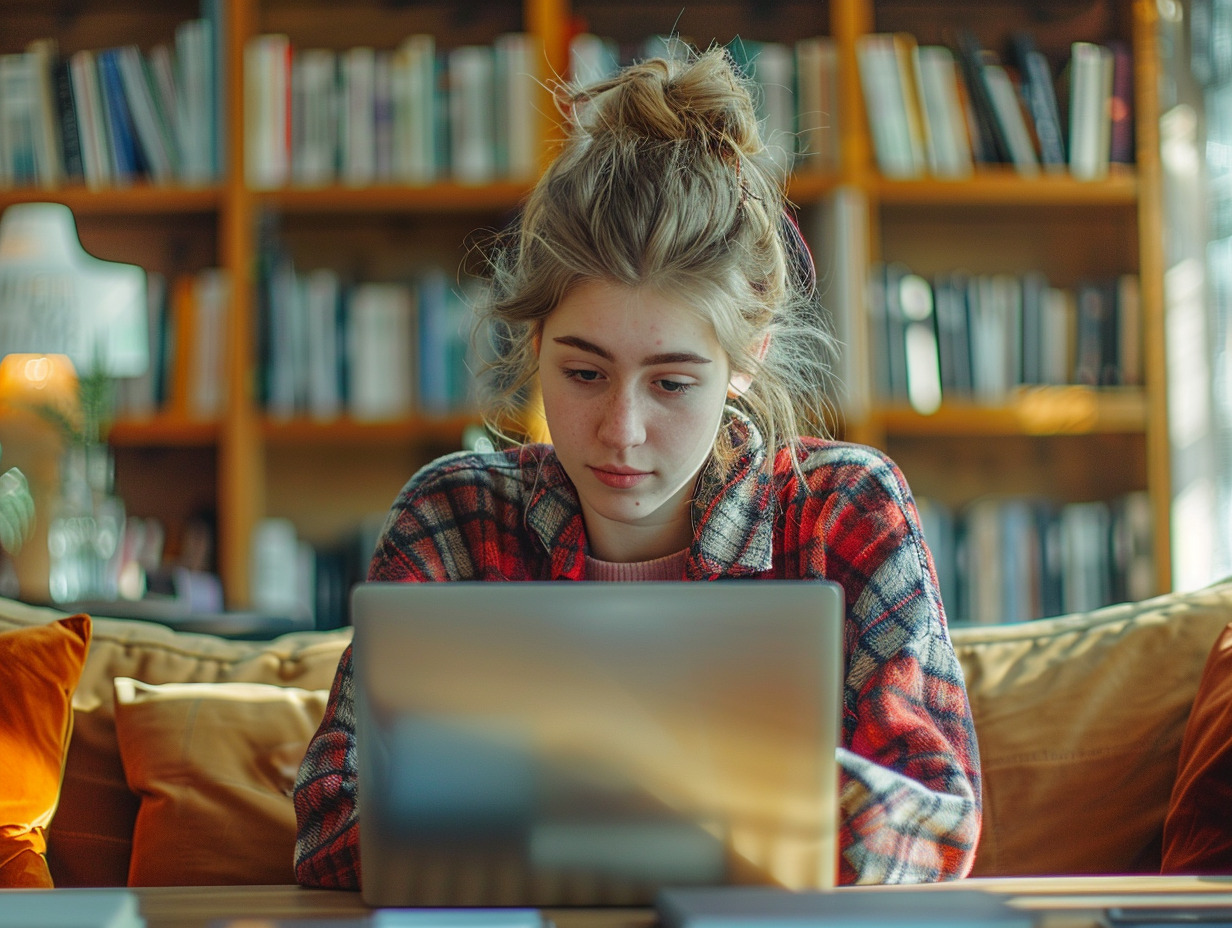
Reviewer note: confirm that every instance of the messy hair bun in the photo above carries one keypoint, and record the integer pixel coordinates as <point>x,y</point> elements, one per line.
<point>664,180</point>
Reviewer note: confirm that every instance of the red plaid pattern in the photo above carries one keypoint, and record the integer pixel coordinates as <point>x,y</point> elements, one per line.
<point>910,790</point>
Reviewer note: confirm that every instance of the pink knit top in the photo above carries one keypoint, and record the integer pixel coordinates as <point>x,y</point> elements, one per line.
<point>668,567</point>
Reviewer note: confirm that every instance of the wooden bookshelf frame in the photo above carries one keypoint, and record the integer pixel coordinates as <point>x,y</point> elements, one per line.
<point>241,438</point>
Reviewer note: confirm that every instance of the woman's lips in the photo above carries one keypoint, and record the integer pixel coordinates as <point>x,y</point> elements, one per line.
<point>619,478</point>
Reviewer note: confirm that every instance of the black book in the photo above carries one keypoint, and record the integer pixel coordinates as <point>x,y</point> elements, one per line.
<point>990,144</point>
<point>66,112</point>
<point>1040,92</point>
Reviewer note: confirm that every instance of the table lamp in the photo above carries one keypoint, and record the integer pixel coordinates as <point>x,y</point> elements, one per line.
<point>63,314</point>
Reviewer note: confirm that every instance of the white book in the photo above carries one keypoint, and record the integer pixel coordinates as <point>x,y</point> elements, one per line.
<point>945,125</point>
<point>207,377</point>
<point>1010,117</point>
<point>91,128</point>
<point>322,292</point>
<point>1058,326</point>
<point>915,302</point>
<point>517,118</point>
<point>380,349</point>
<point>358,68</point>
<point>990,339</point>
<point>267,111</point>
<point>817,119</point>
<point>1090,110</point>
<point>897,150</point>
<point>18,104</point>
<point>592,59</point>
<point>49,156</point>
<point>415,122</point>
<point>147,121</point>
<point>471,117</point>
<point>193,106</point>
<point>315,132</point>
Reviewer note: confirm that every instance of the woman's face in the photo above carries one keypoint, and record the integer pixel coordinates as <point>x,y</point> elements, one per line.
<point>634,385</point>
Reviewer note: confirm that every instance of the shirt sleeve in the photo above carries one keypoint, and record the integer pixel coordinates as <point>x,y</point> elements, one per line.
<point>909,771</point>
<point>327,827</point>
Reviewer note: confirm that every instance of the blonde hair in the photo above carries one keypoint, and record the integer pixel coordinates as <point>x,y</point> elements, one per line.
<point>664,181</point>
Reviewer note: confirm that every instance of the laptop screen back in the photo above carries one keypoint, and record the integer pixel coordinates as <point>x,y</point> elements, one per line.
<point>548,744</point>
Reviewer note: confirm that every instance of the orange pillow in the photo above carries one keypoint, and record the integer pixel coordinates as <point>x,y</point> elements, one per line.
<point>1198,828</point>
<point>214,765</point>
<point>40,666</point>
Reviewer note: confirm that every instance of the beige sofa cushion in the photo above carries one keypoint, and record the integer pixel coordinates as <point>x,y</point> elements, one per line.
<point>90,839</point>
<point>1079,721</point>
<point>214,765</point>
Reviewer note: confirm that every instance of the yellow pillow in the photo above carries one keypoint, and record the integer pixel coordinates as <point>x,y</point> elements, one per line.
<point>40,667</point>
<point>214,765</point>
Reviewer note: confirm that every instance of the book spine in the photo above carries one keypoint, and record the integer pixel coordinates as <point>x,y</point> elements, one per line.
<point>120,133</point>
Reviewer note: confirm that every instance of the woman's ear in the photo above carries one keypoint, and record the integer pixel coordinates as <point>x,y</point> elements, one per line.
<point>741,381</point>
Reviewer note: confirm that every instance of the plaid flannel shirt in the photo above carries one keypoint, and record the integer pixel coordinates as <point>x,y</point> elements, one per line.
<point>909,767</point>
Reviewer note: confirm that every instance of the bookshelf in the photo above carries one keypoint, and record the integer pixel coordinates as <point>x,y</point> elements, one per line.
<point>1072,443</point>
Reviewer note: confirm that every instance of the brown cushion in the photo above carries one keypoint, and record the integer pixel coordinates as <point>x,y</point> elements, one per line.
<point>1079,721</point>
<point>89,842</point>
<point>1198,829</point>
<point>214,765</point>
<point>39,667</point>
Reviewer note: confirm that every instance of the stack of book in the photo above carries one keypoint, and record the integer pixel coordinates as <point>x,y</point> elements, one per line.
<point>412,115</point>
<point>371,350</point>
<point>1015,559</point>
<point>933,110</point>
<point>107,117</point>
<point>980,336</point>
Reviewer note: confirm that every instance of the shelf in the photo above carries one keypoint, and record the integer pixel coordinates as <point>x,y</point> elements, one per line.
<point>1065,410</point>
<point>415,429</point>
<point>1005,187</point>
<point>390,198</point>
<point>119,201</point>
<point>808,186</point>
<point>163,431</point>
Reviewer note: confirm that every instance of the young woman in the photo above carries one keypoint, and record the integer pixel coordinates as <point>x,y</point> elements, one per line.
<point>663,297</point>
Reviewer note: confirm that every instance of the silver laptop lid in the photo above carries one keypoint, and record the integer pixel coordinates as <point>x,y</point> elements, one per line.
<point>548,744</point>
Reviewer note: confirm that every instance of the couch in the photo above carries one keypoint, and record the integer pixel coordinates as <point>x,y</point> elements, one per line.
<point>184,747</point>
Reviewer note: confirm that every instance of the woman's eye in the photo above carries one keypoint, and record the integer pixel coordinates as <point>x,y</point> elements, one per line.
<point>584,374</point>
<point>674,386</point>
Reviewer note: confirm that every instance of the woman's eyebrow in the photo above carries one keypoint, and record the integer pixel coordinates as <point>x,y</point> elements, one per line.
<point>668,357</point>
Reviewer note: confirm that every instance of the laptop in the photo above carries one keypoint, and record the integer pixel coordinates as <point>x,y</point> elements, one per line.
<point>589,744</point>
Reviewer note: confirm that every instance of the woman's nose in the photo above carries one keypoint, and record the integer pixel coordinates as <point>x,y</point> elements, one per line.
<point>622,425</point>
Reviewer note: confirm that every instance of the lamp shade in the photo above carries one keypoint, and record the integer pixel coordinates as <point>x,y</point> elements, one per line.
<point>56,299</point>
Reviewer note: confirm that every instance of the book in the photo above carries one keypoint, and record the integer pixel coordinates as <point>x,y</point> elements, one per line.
<point>517,119</point>
<point>267,110</point>
<point>415,110</point>
<point>945,129</point>
<point>472,120</point>
<point>988,142</point>
<point>817,107</point>
<point>70,132</point>
<point>152,131</point>
<point>897,146</point>
<point>18,102</point>
<point>325,368</point>
<point>358,94</point>
<point>923,370</point>
<point>1121,105</point>
<point>771,67</point>
<point>126,160</point>
<point>953,333</point>
<point>1040,93</point>
<point>380,345</point>
<point>1090,117</point>
<point>1008,113</point>
<point>195,110</point>
<point>43,56</point>
<point>315,114</point>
